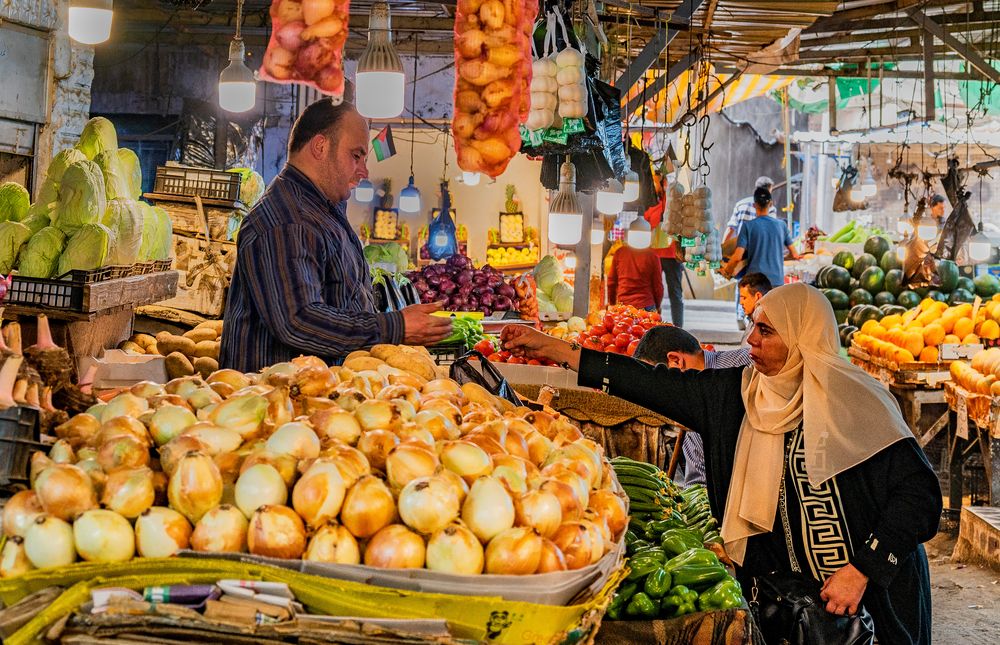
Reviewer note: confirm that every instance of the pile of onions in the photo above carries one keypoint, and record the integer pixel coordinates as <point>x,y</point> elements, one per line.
<point>395,547</point>
<point>222,530</point>
<point>161,532</point>
<point>258,485</point>
<point>276,532</point>
<point>333,543</point>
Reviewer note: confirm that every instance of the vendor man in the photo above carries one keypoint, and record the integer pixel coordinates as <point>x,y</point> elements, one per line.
<point>301,284</point>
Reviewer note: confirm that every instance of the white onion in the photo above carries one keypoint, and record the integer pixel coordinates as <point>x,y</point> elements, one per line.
<point>147,389</point>
<point>80,430</point>
<point>375,445</point>
<point>244,414</point>
<point>511,479</point>
<point>103,536</point>
<point>20,512</point>
<point>276,532</point>
<point>295,439</point>
<point>467,460</point>
<point>376,414</point>
<point>437,424</point>
<point>173,450</point>
<point>407,462</point>
<point>122,426</point>
<point>319,494</point>
<point>49,543</point>
<point>516,551</point>
<point>161,532</point>
<point>395,547</point>
<point>129,492</point>
<point>259,485</point>
<point>428,504</point>
<point>539,510</point>
<point>284,464</point>
<point>455,549</point>
<point>169,421</point>
<point>336,425</point>
<point>122,451</point>
<point>552,558</point>
<point>368,506</point>
<point>572,508</point>
<point>580,542</point>
<point>65,491</point>
<point>333,543</point>
<point>195,487</point>
<point>488,509</point>
<point>125,405</point>
<point>61,452</point>
<point>612,508</point>
<point>13,559</point>
<point>222,530</point>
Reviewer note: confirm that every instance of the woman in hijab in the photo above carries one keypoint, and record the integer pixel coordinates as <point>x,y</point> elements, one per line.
<point>809,462</point>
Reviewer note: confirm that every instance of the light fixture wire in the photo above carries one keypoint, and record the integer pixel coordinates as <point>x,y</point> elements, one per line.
<point>413,100</point>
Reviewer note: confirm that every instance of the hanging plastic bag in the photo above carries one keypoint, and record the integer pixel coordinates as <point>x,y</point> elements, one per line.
<point>307,44</point>
<point>464,371</point>
<point>441,241</point>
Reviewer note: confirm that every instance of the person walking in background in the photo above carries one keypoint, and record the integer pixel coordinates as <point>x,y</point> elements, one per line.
<point>752,287</point>
<point>762,243</point>
<point>671,257</point>
<point>634,279</point>
<point>743,212</point>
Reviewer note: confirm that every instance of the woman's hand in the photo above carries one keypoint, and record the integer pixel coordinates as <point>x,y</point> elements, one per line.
<point>843,590</point>
<point>521,340</point>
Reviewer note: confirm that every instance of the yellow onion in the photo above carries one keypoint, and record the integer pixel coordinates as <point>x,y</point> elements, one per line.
<point>562,432</point>
<point>523,467</point>
<point>284,464</point>
<point>258,485</point>
<point>125,404</point>
<point>129,491</point>
<point>215,438</point>
<point>350,398</point>
<point>395,547</point>
<point>279,373</point>
<point>157,402</point>
<point>512,480</point>
<point>495,428</point>
<point>276,532</point>
<point>514,552</point>
<point>65,491</point>
<point>172,451</point>
<point>579,454</point>
<point>86,453</point>
<point>122,426</point>
<point>244,414</point>
<point>371,380</point>
<point>412,433</point>
<point>314,381</point>
<point>428,504</point>
<point>459,488</point>
<point>488,509</point>
<point>580,543</point>
<point>333,543</point>
<point>183,386</point>
<point>222,530</point>
<point>539,447</point>
<point>203,397</point>
<point>161,532</point>
<point>295,439</point>
<point>376,414</point>
<point>466,459</point>
<point>20,512</point>
<point>440,427</point>
<point>612,508</point>
<point>279,408</point>
<point>407,462</point>
<point>49,543</point>
<point>376,444</point>
<point>351,462</point>
<point>443,385</point>
<point>13,559</point>
<point>122,451</point>
<point>516,445</point>
<point>229,464</point>
<point>80,430</point>
<point>552,558</point>
<point>96,411</point>
<point>561,471</point>
<point>540,510</point>
<point>195,487</point>
<point>601,524</point>
<point>399,377</point>
<point>335,424</point>
<point>61,452</point>
<point>305,362</point>
<point>170,421</point>
<point>455,549</point>
<point>96,474</point>
<point>146,389</point>
<point>232,378</point>
<point>445,407</point>
<point>405,411</point>
<point>39,462</point>
<point>309,406</point>
<point>224,390</point>
<point>368,506</point>
<point>319,494</point>
<point>404,392</point>
<point>572,508</point>
<point>103,536</point>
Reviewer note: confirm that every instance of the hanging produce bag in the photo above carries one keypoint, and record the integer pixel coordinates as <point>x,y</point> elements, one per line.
<point>307,44</point>
<point>464,371</point>
<point>441,242</point>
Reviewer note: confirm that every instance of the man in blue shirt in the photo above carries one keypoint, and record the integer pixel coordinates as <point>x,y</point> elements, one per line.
<point>762,243</point>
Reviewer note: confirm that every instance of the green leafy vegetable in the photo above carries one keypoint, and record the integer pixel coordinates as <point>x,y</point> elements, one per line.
<point>86,250</point>
<point>13,235</point>
<point>40,256</point>
<point>124,218</point>
<point>14,201</point>
<point>132,170</point>
<point>82,197</point>
<point>98,135</point>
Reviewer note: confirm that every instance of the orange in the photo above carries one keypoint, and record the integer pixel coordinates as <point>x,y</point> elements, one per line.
<point>894,320</point>
<point>951,339</point>
<point>933,334</point>
<point>869,325</point>
<point>926,304</point>
<point>902,356</point>
<point>929,355</point>
<point>963,327</point>
<point>970,339</point>
<point>913,342</point>
<point>989,329</point>
<point>995,388</point>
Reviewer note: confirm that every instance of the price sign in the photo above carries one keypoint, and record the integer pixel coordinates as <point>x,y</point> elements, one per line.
<point>962,418</point>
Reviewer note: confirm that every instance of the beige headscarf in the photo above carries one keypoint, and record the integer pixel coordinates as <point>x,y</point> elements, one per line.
<point>846,415</point>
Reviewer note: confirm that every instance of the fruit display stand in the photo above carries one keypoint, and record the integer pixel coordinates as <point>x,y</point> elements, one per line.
<point>974,427</point>
<point>724,626</point>
<point>402,237</point>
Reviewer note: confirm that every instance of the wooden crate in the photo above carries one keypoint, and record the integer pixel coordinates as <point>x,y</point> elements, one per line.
<point>891,373</point>
<point>185,218</point>
<point>205,270</point>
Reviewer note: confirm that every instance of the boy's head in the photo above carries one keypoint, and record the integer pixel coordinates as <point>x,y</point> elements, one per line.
<point>753,287</point>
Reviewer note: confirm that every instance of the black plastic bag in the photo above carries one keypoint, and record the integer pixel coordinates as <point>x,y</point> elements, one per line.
<point>463,371</point>
<point>194,142</point>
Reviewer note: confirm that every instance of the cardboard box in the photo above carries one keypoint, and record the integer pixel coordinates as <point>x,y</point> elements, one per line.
<point>557,377</point>
<point>116,368</point>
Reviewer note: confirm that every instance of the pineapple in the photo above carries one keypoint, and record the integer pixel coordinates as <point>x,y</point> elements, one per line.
<point>513,204</point>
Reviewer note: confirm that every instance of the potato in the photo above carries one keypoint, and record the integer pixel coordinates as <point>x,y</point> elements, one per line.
<point>171,344</point>
<point>413,363</point>
<point>361,363</point>
<point>129,346</point>
<point>357,354</point>
<point>143,340</point>
<point>178,365</point>
<point>163,335</point>
<point>207,348</point>
<point>383,352</point>
<point>205,365</point>
<point>215,325</point>
<point>199,334</point>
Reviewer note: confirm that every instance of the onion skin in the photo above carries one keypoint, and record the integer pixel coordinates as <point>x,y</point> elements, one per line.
<point>222,530</point>
<point>407,462</point>
<point>195,487</point>
<point>579,544</point>
<point>488,509</point>
<point>376,444</point>
<point>257,486</point>
<point>455,549</point>
<point>467,460</point>
<point>103,536</point>
<point>516,551</point>
<point>552,558</point>
<point>319,494</point>
<point>368,507</point>
<point>333,543</point>
<point>20,512</point>
<point>572,509</point>
<point>612,508</point>
<point>276,532</point>
<point>13,559</point>
<point>395,547</point>
<point>65,491</point>
<point>80,430</point>
<point>49,543</point>
<point>129,492</point>
<point>540,510</point>
<point>122,452</point>
<point>161,532</point>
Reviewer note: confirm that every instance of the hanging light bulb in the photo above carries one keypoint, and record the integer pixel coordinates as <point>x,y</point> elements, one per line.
<point>857,194</point>
<point>611,198</point>
<point>90,21</point>
<point>631,188</point>
<point>470,178</point>
<point>868,186</point>
<point>640,234</point>
<point>926,231</point>
<point>409,198</point>
<point>597,231</point>
<point>237,87</point>
<point>980,246</point>
<point>901,253</point>
<point>904,225</point>
<point>565,214</point>
<point>379,81</point>
<point>570,262</point>
<point>364,191</point>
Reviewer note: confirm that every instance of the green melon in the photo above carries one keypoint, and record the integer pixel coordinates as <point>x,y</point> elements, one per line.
<point>948,272</point>
<point>922,291</point>
<point>894,281</point>
<point>986,285</point>
<point>934,294</point>
<point>908,299</point>
<point>820,282</point>
<point>844,259</point>
<point>837,278</point>
<point>868,312</point>
<point>838,299</point>
<point>889,262</point>
<point>841,315</point>
<point>846,333</point>
<point>853,313</point>
<point>877,246</point>
<point>872,280</point>
<point>888,310</point>
<point>961,295</point>
<point>966,283</point>
<point>862,262</point>
<point>884,298</point>
<point>861,297</point>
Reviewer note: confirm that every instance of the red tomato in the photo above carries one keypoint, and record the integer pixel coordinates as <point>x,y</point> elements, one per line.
<point>637,330</point>
<point>534,361</point>
<point>597,331</point>
<point>622,340</point>
<point>609,322</point>
<point>607,339</point>
<point>484,347</point>
<point>647,325</point>
<point>621,328</point>
<point>631,347</point>
<point>494,358</point>
<point>612,349</point>
<point>516,360</point>
<point>504,355</point>
<point>655,315</point>
<point>593,343</point>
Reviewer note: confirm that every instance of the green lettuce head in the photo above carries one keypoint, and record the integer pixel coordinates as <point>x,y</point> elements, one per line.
<point>82,197</point>
<point>124,218</point>
<point>97,136</point>
<point>86,250</point>
<point>251,185</point>
<point>13,235</point>
<point>14,201</point>
<point>40,256</point>
<point>115,180</point>
<point>132,170</point>
<point>164,248</point>
<point>562,297</point>
<point>547,273</point>
<point>49,192</point>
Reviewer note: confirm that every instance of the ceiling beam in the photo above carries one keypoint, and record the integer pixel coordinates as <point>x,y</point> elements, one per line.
<point>661,82</point>
<point>928,77</point>
<point>956,22</point>
<point>965,50</point>
<point>846,19</point>
<point>650,54</point>
<point>886,73</point>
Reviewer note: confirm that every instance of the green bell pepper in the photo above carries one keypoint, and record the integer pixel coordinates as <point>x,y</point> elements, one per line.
<point>642,606</point>
<point>642,567</point>
<point>726,594</point>
<point>659,527</point>
<point>621,599</point>
<point>691,556</point>
<point>679,601</point>
<point>650,552</point>
<point>677,541</point>
<point>657,584</point>
<point>698,576</point>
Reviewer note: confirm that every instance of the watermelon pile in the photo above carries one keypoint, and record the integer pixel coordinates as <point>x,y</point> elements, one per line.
<point>871,285</point>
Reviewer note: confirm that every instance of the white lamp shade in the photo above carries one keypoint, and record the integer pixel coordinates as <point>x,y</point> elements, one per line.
<point>470,178</point>
<point>927,231</point>
<point>90,21</point>
<point>901,253</point>
<point>857,194</point>
<point>631,186</point>
<point>980,247</point>
<point>610,203</point>
<point>237,96</point>
<point>904,225</point>
<point>565,229</point>
<point>379,95</point>
<point>364,191</point>
<point>409,203</point>
<point>596,236</point>
<point>869,190</point>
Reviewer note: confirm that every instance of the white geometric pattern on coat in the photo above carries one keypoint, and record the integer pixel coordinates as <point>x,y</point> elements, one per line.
<point>826,540</point>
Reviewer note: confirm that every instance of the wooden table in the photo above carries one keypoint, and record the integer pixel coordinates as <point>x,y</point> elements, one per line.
<point>974,426</point>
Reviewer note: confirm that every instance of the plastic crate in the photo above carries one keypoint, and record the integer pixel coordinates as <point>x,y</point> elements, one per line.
<point>41,292</point>
<point>446,354</point>
<point>204,182</point>
<point>19,437</point>
<point>161,265</point>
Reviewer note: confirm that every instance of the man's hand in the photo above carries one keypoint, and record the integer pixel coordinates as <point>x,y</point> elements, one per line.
<point>843,590</point>
<point>521,340</point>
<point>421,328</point>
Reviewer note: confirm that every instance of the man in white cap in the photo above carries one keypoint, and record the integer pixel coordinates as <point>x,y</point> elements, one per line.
<point>744,211</point>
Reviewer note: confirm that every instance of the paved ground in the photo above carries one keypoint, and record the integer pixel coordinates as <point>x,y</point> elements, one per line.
<point>710,321</point>
<point>965,598</point>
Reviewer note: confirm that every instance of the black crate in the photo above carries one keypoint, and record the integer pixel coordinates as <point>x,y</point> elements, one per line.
<point>446,354</point>
<point>19,437</point>
<point>41,292</point>
<point>204,182</point>
<point>161,265</point>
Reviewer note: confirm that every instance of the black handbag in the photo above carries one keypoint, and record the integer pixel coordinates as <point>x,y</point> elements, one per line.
<point>789,611</point>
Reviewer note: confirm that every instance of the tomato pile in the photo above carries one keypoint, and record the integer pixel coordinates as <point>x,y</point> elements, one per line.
<point>489,347</point>
<point>619,330</point>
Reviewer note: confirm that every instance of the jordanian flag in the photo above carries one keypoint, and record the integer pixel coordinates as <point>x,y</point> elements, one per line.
<point>383,144</point>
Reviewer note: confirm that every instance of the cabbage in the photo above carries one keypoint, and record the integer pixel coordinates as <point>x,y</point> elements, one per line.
<point>562,297</point>
<point>545,305</point>
<point>576,325</point>
<point>150,226</point>
<point>115,180</point>
<point>13,235</point>
<point>81,197</point>
<point>251,185</point>
<point>132,170</point>
<point>97,136</point>
<point>14,201</point>
<point>124,218</point>
<point>36,221</point>
<point>547,273</point>
<point>40,255</point>
<point>163,247</point>
<point>49,191</point>
<point>86,250</point>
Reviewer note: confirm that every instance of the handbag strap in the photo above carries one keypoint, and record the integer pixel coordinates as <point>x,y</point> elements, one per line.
<point>793,561</point>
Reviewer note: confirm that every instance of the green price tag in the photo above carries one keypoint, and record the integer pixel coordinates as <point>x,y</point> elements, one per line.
<point>688,242</point>
<point>701,273</point>
<point>572,126</point>
<point>556,136</point>
<point>697,258</point>
<point>691,265</point>
<point>714,265</point>
<point>525,135</point>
